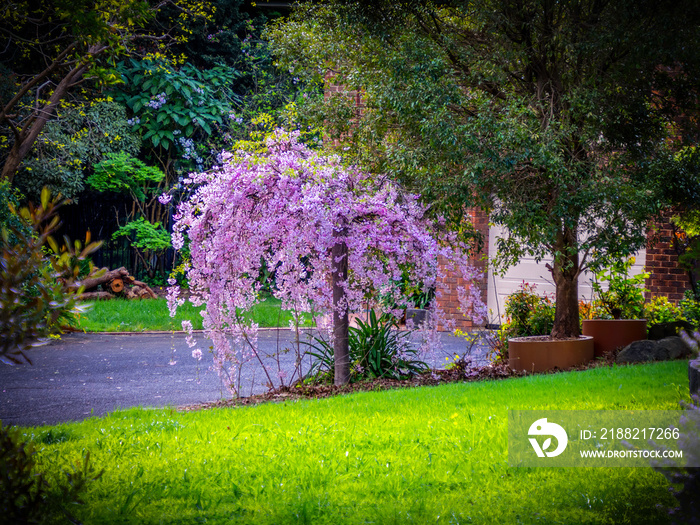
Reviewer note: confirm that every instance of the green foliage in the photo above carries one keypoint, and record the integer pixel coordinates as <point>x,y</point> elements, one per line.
<point>273,97</point>
<point>52,47</point>
<point>527,314</point>
<point>219,39</point>
<point>22,488</point>
<point>174,107</point>
<point>685,480</point>
<point>624,296</point>
<point>396,456</point>
<point>120,172</point>
<point>377,350</point>
<point>9,220</point>
<point>146,236</point>
<point>690,308</point>
<point>35,289</point>
<point>68,148</point>
<point>661,310</point>
<point>149,239</point>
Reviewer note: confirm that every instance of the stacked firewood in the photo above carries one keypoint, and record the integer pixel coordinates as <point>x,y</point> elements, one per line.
<point>109,284</point>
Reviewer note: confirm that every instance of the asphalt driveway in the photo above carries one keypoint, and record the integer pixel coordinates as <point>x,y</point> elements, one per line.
<point>84,375</point>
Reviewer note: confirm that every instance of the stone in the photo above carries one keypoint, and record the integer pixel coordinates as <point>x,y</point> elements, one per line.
<point>675,347</point>
<point>641,351</point>
<point>663,350</point>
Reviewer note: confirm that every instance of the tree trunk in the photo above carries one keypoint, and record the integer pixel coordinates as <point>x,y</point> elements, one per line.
<point>565,274</point>
<point>341,324</point>
<point>26,137</point>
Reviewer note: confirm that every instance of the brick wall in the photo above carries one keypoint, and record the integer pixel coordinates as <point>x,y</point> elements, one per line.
<point>448,301</point>
<point>666,277</point>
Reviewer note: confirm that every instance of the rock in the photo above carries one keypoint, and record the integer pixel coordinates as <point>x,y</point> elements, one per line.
<point>662,350</point>
<point>675,347</point>
<point>662,330</point>
<point>641,351</point>
<point>694,376</point>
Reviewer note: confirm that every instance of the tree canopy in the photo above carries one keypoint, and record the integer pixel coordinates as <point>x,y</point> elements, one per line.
<point>49,48</point>
<point>553,115</point>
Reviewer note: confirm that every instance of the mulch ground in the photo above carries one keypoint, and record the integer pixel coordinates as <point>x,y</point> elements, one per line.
<point>461,373</point>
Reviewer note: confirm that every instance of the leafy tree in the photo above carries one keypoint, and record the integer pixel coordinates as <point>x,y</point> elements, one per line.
<point>218,40</point>
<point>51,47</point>
<point>548,114</point>
<point>142,226</point>
<point>68,147</point>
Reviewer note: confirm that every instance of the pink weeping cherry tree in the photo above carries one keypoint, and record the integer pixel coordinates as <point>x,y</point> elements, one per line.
<point>334,236</point>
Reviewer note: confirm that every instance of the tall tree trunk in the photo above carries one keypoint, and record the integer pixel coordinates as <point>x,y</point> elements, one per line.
<point>565,273</point>
<point>341,323</point>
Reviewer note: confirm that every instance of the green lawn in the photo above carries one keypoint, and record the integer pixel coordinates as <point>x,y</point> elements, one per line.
<point>119,315</point>
<point>423,455</point>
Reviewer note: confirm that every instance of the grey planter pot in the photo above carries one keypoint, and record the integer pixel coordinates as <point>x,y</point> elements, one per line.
<point>418,315</point>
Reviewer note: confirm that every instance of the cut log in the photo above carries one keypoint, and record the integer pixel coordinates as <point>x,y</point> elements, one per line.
<point>104,276</point>
<point>95,296</point>
<point>117,285</point>
<point>143,290</point>
<point>114,281</point>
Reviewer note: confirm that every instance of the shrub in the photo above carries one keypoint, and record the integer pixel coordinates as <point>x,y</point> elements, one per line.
<point>35,289</point>
<point>686,480</point>
<point>377,350</point>
<point>22,489</point>
<point>661,310</point>
<point>26,496</point>
<point>690,308</point>
<point>528,314</point>
<point>624,297</point>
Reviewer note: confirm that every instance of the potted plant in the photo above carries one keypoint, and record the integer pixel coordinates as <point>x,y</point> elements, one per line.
<point>618,308</point>
<point>530,348</point>
<point>421,300</point>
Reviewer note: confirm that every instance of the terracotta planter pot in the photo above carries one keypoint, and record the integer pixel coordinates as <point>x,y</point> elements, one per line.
<point>540,353</point>
<point>609,334</point>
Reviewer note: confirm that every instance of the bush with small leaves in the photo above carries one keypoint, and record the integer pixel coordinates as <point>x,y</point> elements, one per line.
<point>25,495</point>
<point>37,291</point>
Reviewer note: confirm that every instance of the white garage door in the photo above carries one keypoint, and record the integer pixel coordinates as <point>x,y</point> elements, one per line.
<point>527,270</point>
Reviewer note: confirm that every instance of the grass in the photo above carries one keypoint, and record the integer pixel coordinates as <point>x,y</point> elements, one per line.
<point>121,315</point>
<point>423,455</point>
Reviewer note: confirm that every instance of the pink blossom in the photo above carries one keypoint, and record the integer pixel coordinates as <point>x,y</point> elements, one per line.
<point>165,198</point>
<point>286,208</point>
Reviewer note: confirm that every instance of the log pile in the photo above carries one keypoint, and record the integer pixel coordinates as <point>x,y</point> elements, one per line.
<point>109,284</point>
